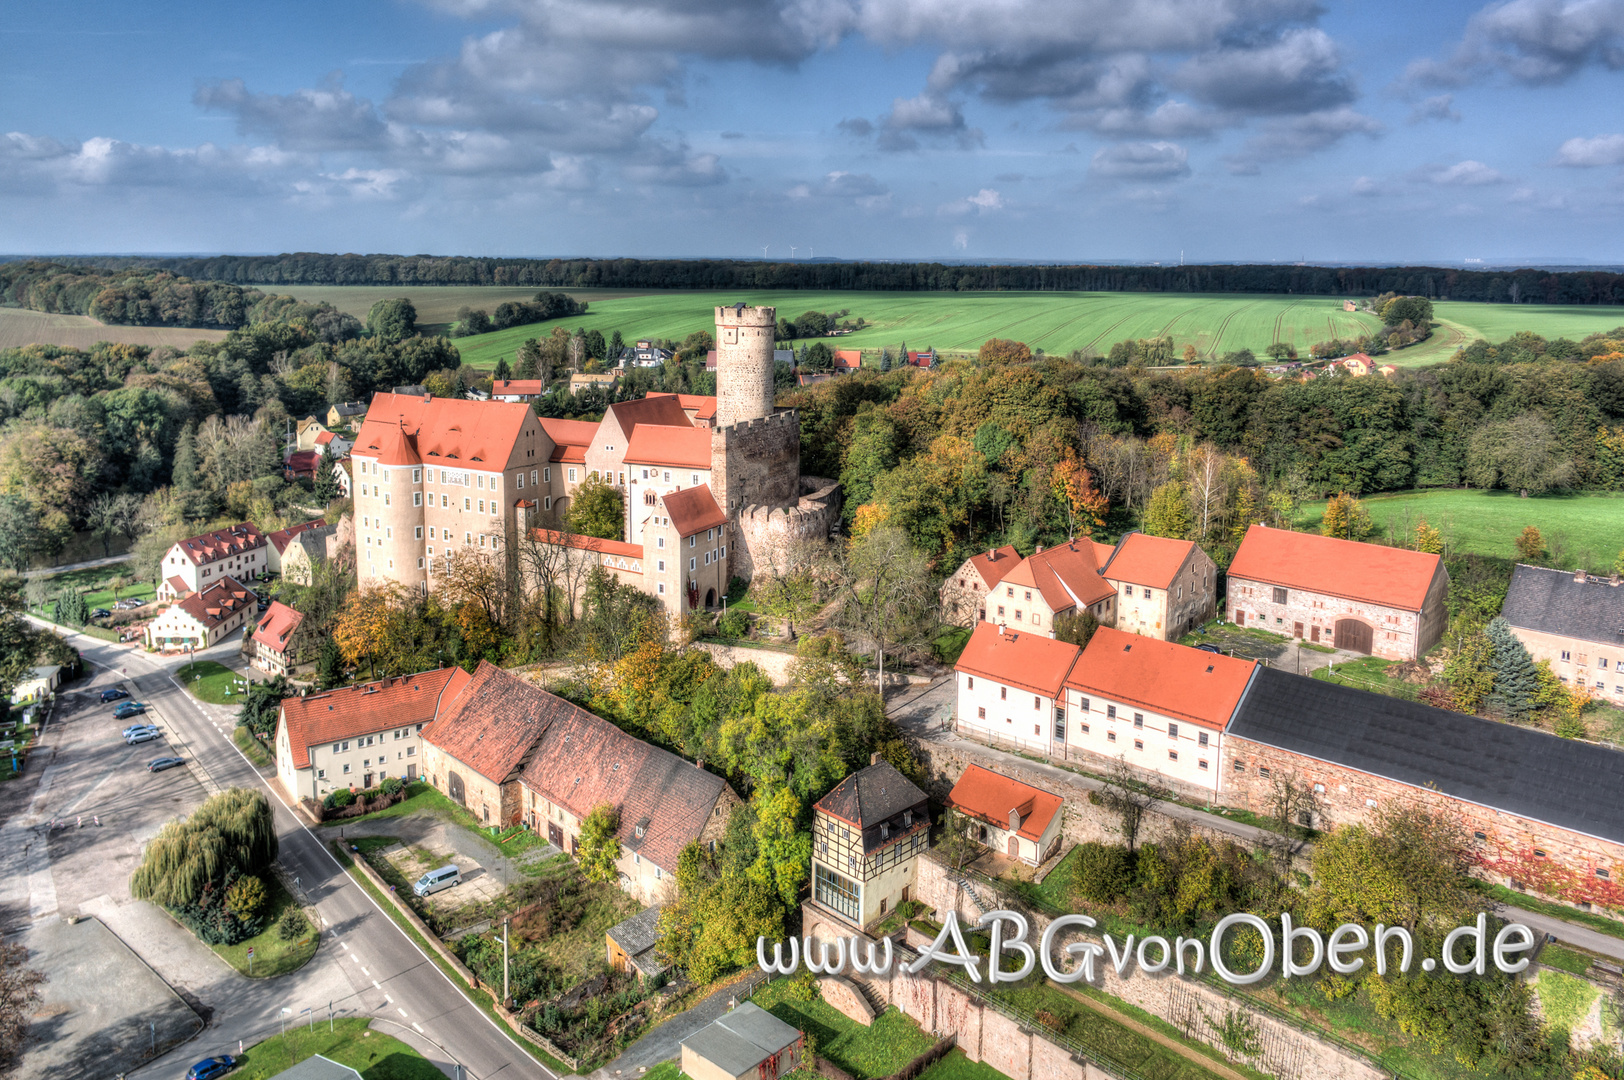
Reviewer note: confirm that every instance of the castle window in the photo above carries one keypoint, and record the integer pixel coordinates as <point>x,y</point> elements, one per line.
<point>386,498</point>
<point>659,541</point>
<point>1110,736</point>
<point>1201,738</point>
<point>549,503</point>
<point>467,503</point>
<point>1202,764</point>
<point>417,476</point>
<point>417,498</point>
<point>419,532</point>
<point>662,588</point>
<point>546,475</point>
<point>693,541</point>
<point>1172,731</point>
<point>521,481</point>
<point>691,563</point>
<point>572,476</point>
<point>668,476</point>
<point>693,479</point>
<point>1003,693</point>
<point>662,566</point>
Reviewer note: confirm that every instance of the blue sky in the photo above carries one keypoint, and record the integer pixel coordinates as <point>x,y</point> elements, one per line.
<point>1084,130</point>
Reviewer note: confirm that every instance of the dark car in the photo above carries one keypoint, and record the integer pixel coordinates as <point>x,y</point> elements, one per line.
<point>1208,647</point>
<point>159,765</point>
<point>114,694</point>
<point>209,1068</point>
<point>101,613</point>
<point>129,709</point>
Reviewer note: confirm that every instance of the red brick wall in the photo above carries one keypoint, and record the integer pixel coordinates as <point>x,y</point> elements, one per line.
<point>1541,858</point>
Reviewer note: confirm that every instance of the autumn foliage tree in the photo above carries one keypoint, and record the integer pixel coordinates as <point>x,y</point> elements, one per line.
<point>1346,519</point>
<point>366,627</point>
<point>1073,484</point>
<point>1003,351</point>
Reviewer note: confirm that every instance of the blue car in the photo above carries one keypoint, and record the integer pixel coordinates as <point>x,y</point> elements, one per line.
<point>209,1068</point>
<point>159,765</point>
<point>114,694</point>
<point>129,709</point>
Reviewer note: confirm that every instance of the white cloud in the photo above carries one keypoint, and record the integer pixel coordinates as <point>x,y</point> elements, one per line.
<point>1533,42</point>
<point>1464,174</point>
<point>1141,161</point>
<point>1440,107</point>
<point>1590,153</point>
<point>984,201</point>
<point>1364,185</point>
<point>1297,136</point>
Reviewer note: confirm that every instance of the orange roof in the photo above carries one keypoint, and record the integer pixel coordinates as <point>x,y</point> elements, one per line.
<point>476,729</point>
<point>179,586</point>
<point>1394,577</point>
<point>324,438</point>
<point>1163,676</point>
<point>989,796</point>
<point>848,359</point>
<point>1148,560</point>
<point>217,603</point>
<point>515,387</point>
<point>704,407</point>
<point>1068,576</point>
<point>686,447</point>
<point>570,438</point>
<point>277,625</point>
<point>589,543</point>
<point>481,434</point>
<point>221,543</point>
<point>662,409</point>
<point>1018,658</point>
<point>399,701</point>
<point>993,565</point>
<point>282,537</point>
<point>693,510</point>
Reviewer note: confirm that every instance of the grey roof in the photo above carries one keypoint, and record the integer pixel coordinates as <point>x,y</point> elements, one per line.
<point>1552,602</point>
<point>318,1068</point>
<point>1562,782</point>
<point>636,935</point>
<point>874,796</point>
<point>742,1039</point>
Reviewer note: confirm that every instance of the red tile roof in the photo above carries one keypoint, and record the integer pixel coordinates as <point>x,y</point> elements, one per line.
<point>1067,576</point>
<point>1018,658</point>
<point>282,537</point>
<point>491,724</point>
<point>441,431</point>
<point>324,438</point>
<point>848,359</point>
<point>662,409</point>
<point>179,586</point>
<point>400,701</point>
<point>704,407</point>
<point>1394,577</point>
<point>989,796</point>
<point>514,387</point>
<point>221,543</point>
<point>301,461</point>
<point>217,603</point>
<point>1148,560</point>
<point>685,447</point>
<point>589,543</point>
<point>570,438</point>
<point>993,565</point>
<point>276,626</point>
<point>1162,676</point>
<point>693,510</point>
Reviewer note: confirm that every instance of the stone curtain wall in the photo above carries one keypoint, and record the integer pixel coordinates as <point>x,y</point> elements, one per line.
<point>761,532</point>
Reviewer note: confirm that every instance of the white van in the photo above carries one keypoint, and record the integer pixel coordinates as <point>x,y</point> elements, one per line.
<point>435,880</point>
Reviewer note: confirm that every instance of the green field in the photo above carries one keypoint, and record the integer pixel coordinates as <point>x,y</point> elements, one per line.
<point>1579,530</point>
<point>1055,322</point>
<point>436,305</point>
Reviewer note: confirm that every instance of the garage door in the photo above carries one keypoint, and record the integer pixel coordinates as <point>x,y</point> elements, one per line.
<point>1353,635</point>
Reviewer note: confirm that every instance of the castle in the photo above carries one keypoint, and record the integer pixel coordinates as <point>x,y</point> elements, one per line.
<point>711,485</point>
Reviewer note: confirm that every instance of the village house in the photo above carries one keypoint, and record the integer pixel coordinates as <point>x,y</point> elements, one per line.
<point>1575,621</point>
<point>201,619</point>
<point>301,465</point>
<point>278,542</point>
<point>1159,706</point>
<point>1358,364</point>
<point>867,835</point>
<point>1366,598</point>
<point>1542,812</point>
<point>748,1043</point>
<point>848,361</point>
<point>1011,687</point>
<point>645,354</point>
<point>238,551</point>
<point>306,431</point>
<point>305,550</point>
<point>279,638</point>
<point>964,594</point>
<point>1014,819</point>
<point>345,414</point>
<point>605,382</point>
<point>1060,581</point>
<point>1165,588</point>
<point>339,445</point>
<point>517,389</point>
<point>341,476</point>
<point>358,736</point>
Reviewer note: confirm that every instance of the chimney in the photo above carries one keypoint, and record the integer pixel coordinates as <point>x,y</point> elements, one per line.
<point>1000,629</point>
<point>700,764</point>
<point>874,758</point>
<point>1579,576</point>
<point>1014,820</point>
<point>1039,551</point>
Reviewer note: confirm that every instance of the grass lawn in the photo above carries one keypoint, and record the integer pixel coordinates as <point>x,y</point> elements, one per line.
<point>950,643</point>
<point>252,748</point>
<point>955,1066</point>
<point>867,1053</point>
<point>1579,529</point>
<point>373,1054</point>
<point>1366,673</point>
<point>272,955</point>
<point>1566,959</point>
<point>422,799</point>
<point>665,1070</point>
<point>212,682</point>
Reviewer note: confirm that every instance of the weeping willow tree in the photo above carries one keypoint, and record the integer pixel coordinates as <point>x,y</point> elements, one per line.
<point>231,831</point>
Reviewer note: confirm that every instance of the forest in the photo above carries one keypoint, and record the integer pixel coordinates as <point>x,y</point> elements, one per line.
<point>1525,286</point>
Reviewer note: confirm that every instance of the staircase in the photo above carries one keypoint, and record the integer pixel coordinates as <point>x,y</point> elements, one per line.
<point>969,890</point>
<point>874,1000</point>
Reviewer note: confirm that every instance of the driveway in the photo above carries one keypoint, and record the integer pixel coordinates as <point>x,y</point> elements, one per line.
<point>1285,653</point>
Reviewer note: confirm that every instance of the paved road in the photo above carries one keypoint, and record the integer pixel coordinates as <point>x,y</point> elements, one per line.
<point>50,571</point>
<point>388,975</point>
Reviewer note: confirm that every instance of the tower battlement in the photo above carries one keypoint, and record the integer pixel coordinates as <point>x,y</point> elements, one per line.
<point>744,363</point>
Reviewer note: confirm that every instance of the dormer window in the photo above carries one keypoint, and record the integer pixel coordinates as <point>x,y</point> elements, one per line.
<point>907,819</point>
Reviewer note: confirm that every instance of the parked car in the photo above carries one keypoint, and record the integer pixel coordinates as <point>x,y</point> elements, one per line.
<point>133,728</point>
<point>1209,647</point>
<point>142,735</point>
<point>159,765</point>
<point>114,693</point>
<point>209,1068</point>
<point>129,709</point>
<point>128,605</point>
<point>446,877</point>
<point>101,613</point>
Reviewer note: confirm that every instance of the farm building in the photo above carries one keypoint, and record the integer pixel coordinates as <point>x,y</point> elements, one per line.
<point>748,1043</point>
<point>629,945</point>
<point>1574,621</point>
<point>1014,819</point>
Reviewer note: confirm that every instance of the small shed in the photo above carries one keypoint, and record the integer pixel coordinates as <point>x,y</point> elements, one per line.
<point>748,1043</point>
<point>40,683</point>
<point>630,944</point>
<point>317,1067</point>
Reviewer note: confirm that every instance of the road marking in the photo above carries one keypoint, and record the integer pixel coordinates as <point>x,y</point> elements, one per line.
<point>401,1011</point>
<point>341,944</point>
<point>324,922</point>
<point>415,1025</point>
<point>375,985</point>
<point>365,972</point>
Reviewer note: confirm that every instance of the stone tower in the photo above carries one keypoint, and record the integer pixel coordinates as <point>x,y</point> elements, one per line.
<point>744,363</point>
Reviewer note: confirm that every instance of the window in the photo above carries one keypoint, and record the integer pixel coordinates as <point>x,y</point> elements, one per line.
<point>1017,614</point>
<point>572,476</point>
<point>420,562</point>
<point>521,481</point>
<point>659,541</point>
<point>1037,702</point>
<point>693,479</point>
<point>1202,764</point>
<point>1201,738</point>
<point>1138,744</point>
<point>1003,693</point>
<point>386,498</point>
<point>1601,873</point>
<point>1172,755</point>
<point>1239,767</point>
<point>1082,703</point>
<point>662,566</point>
<point>1110,712</point>
<point>1028,594</point>
<point>835,892</point>
<point>1110,736</point>
<point>1000,609</point>
<point>981,713</point>
<point>691,564</point>
<point>1084,727</point>
<point>1139,720</point>
<point>972,683</point>
<point>548,503</point>
<point>1279,596</point>
<point>1263,773</point>
<point>321,774</point>
<point>546,475</point>
<point>417,476</point>
<point>346,770</point>
<point>346,744</point>
<point>419,532</point>
<point>1566,656</point>
<point>1147,594</point>
<point>1172,731</point>
<point>1009,590</point>
<point>662,588</point>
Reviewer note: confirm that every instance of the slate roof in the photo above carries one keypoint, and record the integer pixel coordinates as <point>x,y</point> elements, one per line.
<point>398,701</point>
<point>1027,660</point>
<point>741,1040</point>
<point>874,796</point>
<point>989,796</point>
<point>1562,782</point>
<point>638,933</point>
<point>1552,602</point>
<point>1394,577</point>
<point>1162,676</point>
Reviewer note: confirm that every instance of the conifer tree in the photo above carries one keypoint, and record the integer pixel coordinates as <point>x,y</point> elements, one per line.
<point>1516,682</point>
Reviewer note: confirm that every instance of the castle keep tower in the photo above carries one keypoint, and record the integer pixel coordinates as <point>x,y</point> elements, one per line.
<point>744,363</point>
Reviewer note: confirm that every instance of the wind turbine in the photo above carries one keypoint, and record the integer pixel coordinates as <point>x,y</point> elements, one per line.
<point>809,251</point>
<point>763,252</point>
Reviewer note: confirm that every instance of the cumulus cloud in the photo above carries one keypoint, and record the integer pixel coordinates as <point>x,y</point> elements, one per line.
<point>928,116</point>
<point>1590,153</point>
<point>984,201</point>
<point>1141,161</point>
<point>1534,42</point>
<point>673,164</point>
<point>1298,136</point>
<point>1439,107</point>
<point>1364,185</point>
<point>327,117</point>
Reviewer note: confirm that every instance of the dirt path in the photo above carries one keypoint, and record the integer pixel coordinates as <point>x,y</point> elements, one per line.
<point>1212,1065</point>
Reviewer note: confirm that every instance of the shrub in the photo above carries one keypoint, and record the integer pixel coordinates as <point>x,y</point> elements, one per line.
<point>733,624</point>
<point>392,786</point>
<point>1105,872</point>
<point>292,925</point>
<point>246,896</point>
<point>339,799</point>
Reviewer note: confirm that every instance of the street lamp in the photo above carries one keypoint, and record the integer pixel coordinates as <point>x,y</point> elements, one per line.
<point>286,1012</point>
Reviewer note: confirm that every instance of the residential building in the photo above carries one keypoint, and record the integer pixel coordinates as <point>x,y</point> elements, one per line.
<point>277,542</point>
<point>339,445</point>
<point>964,593</point>
<point>341,476</point>
<point>1575,621</point>
<point>204,618</point>
<point>605,382</point>
<point>306,432</point>
<point>358,736</point>
<point>345,415</point>
<point>1159,706</point>
<point>301,465</point>
<point>630,945</point>
<point>1542,812</point>
<point>517,389</point>
<point>280,636</point>
<point>305,550</point>
<point>238,551</point>
<point>926,359</point>
<point>1012,818</point>
<point>1358,364</point>
<point>1011,686</point>
<point>1165,588</point>
<point>848,361</point>
<point>748,1043</point>
<point>645,354</point>
<point>867,834</point>
<point>1382,601</point>
<point>1059,581</point>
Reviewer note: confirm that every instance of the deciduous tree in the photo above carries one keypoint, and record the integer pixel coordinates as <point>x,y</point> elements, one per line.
<point>19,999</point>
<point>1530,544</point>
<point>599,848</point>
<point>1345,518</point>
<point>597,509</point>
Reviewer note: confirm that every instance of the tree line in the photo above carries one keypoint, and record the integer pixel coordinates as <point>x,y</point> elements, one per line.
<point>1525,286</point>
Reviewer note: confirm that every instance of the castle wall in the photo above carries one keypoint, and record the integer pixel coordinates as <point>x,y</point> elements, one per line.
<point>762,534</point>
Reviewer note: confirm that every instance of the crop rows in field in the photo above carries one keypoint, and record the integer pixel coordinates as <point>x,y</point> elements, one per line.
<point>18,326</point>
